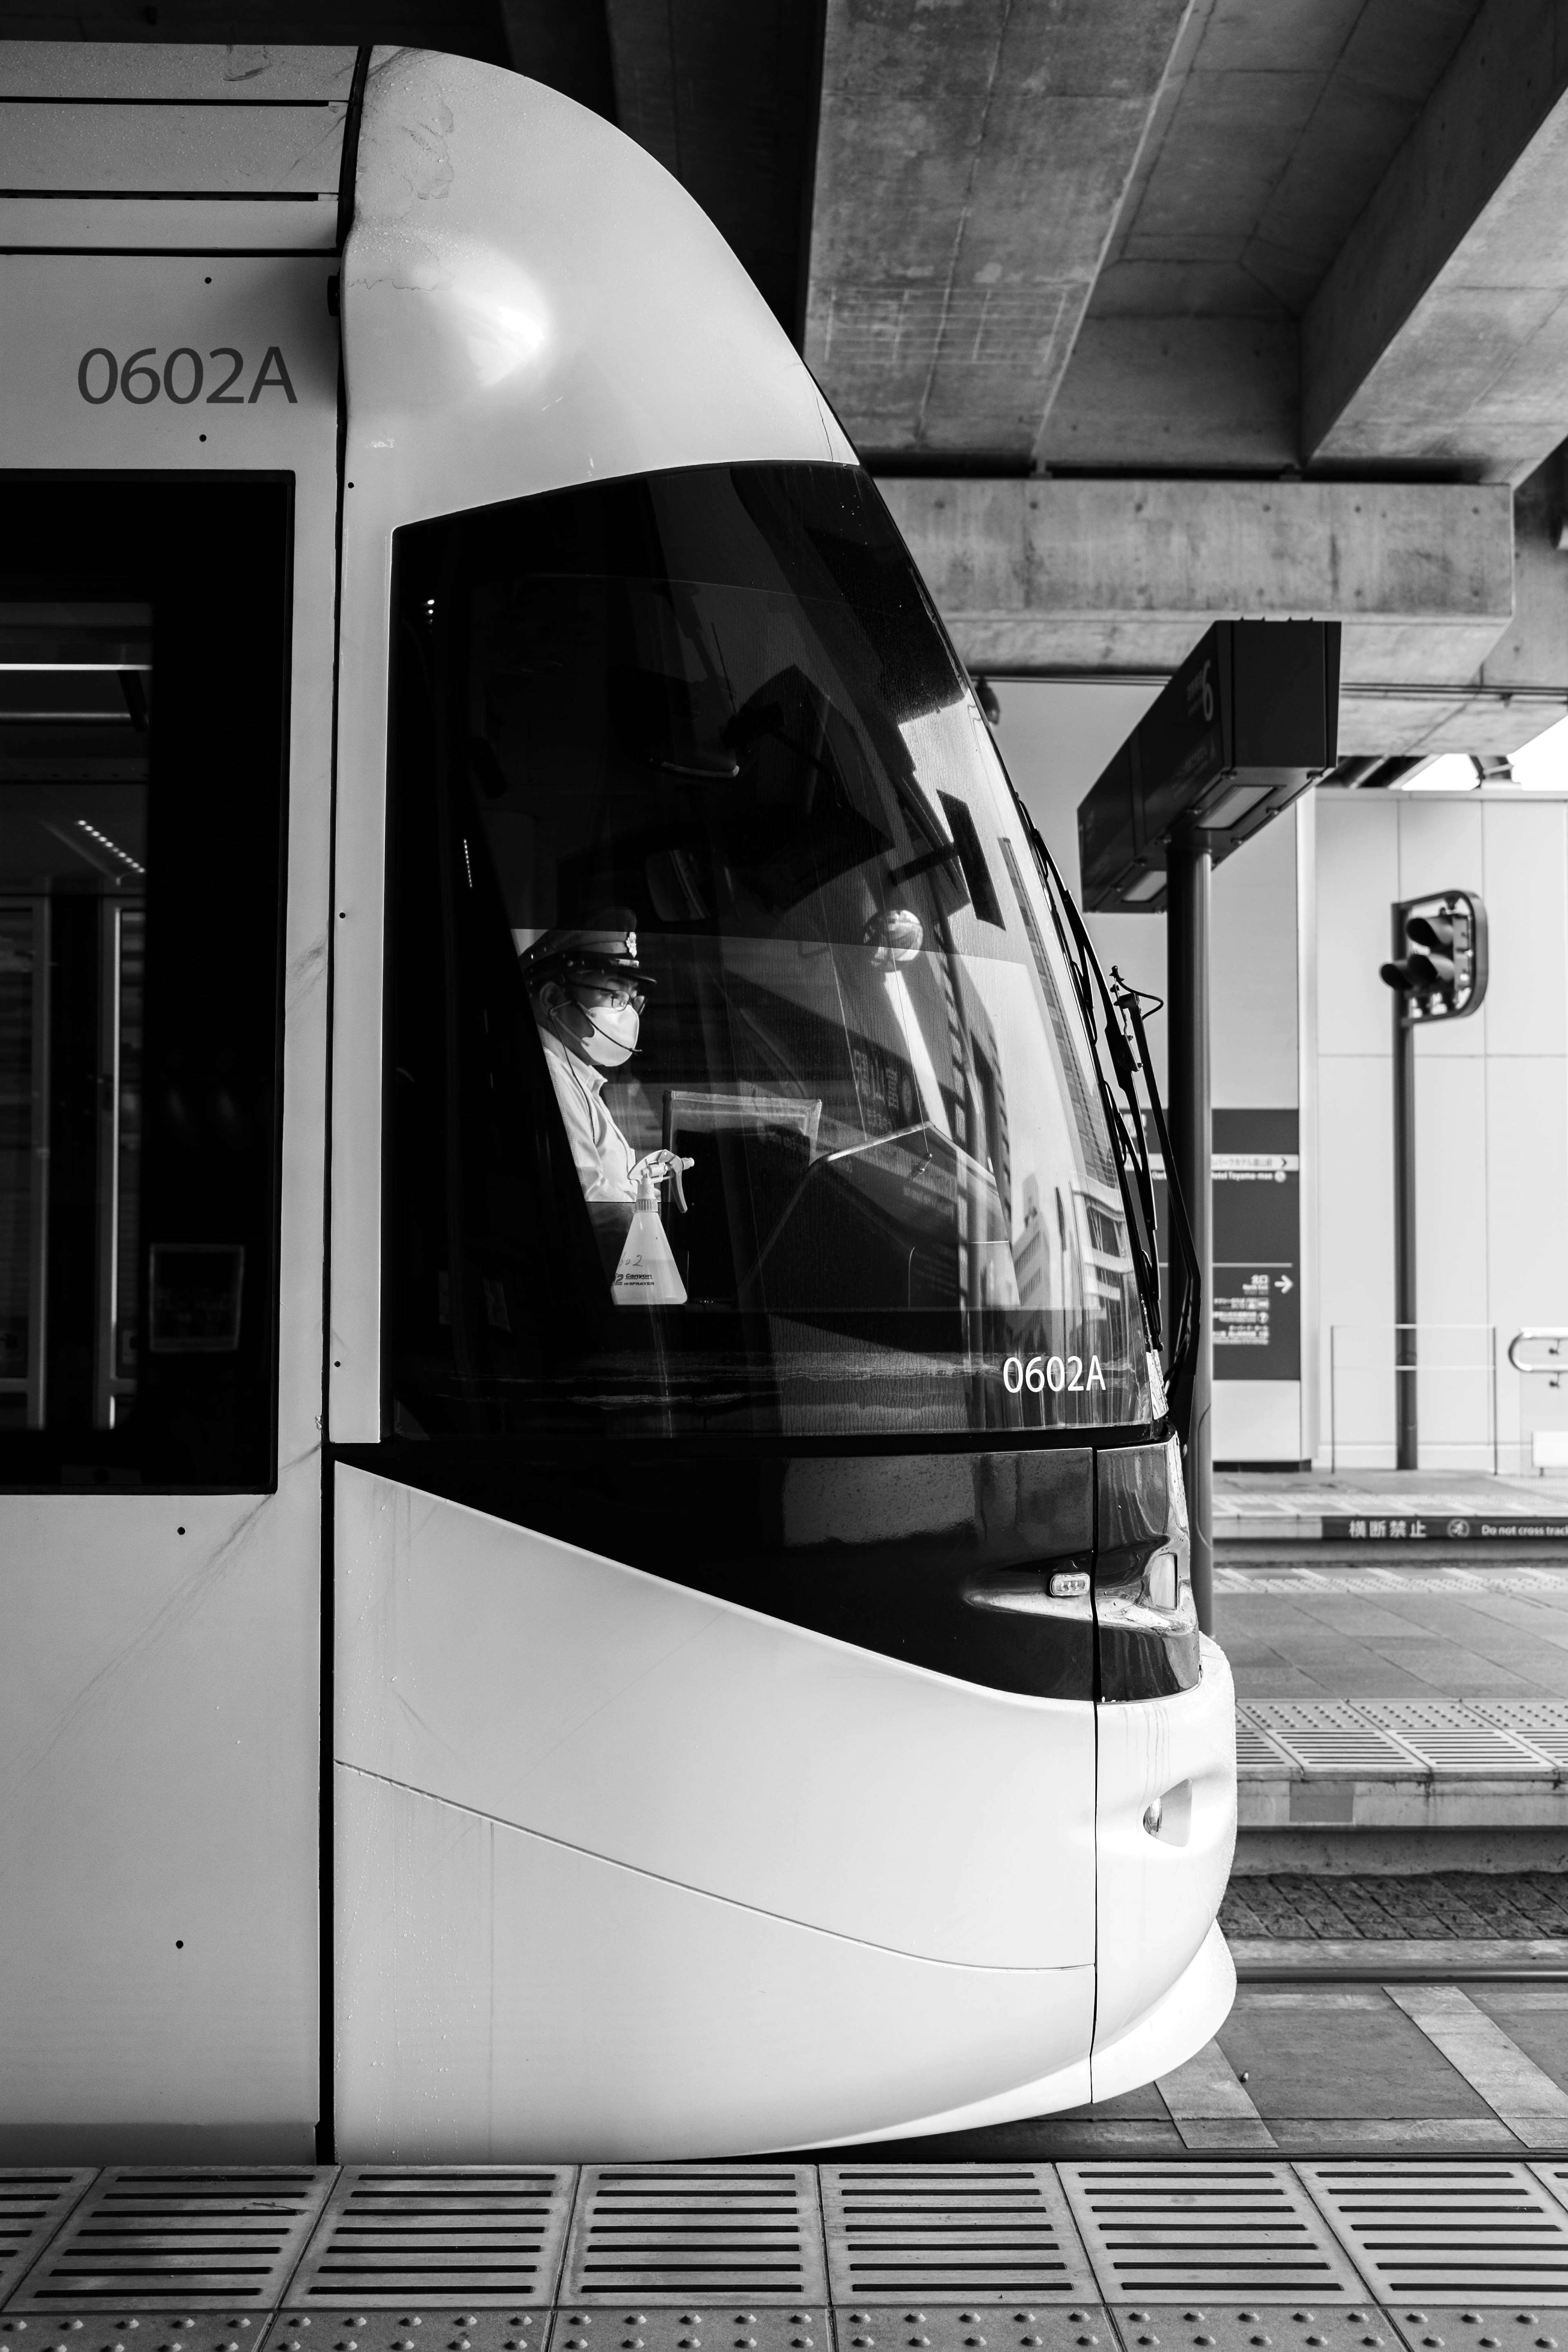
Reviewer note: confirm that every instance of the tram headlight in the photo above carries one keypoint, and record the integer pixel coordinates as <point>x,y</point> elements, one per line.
<point>1163,1580</point>
<point>1147,1625</point>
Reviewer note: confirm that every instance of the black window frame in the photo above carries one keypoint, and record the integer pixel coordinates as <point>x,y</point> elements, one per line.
<point>171,537</point>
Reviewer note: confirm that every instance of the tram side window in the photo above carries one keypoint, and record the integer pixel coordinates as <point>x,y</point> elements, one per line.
<point>143,692</point>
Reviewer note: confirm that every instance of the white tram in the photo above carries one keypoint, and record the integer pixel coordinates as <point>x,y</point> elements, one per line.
<point>587,1522</point>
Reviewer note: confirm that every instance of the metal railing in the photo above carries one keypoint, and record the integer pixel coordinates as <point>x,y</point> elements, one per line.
<point>1541,1335</point>
<point>1398,1352</point>
<point>1540,1352</point>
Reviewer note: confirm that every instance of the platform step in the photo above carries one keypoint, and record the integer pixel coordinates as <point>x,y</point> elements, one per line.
<point>1421,2231</point>
<point>991,2232</point>
<point>740,2233</point>
<point>163,2239</point>
<point>491,2236</point>
<point>1232,2230</point>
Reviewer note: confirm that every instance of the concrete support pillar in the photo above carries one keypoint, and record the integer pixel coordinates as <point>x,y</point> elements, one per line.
<point>1190,1093</point>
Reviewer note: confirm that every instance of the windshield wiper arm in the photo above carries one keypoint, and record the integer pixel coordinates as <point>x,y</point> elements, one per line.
<point>1128,1046</point>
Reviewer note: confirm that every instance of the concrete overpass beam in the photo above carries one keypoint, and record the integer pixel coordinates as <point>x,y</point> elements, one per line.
<point>971,163</point>
<point>1440,336</point>
<point>1076,575</point>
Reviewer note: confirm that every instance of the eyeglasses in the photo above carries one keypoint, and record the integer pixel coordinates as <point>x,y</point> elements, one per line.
<point>611,994</point>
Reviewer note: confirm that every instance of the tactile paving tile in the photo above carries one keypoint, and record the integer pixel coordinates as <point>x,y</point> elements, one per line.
<point>148,2239</point>
<point>33,2204</point>
<point>1329,1736</point>
<point>1450,2228</point>
<point>1452,1736</point>
<point>134,2331</point>
<point>980,2327</point>
<point>691,2327</point>
<point>666,2233</point>
<point>1255,1751</point>
<point>1514,2327</point>
<point>991,2233</point>
<point>410,2329</point>
<point>481,2235</point>
<point>1240,2231</point>
<point>1542,1721</point>
<point>1256,2327</point>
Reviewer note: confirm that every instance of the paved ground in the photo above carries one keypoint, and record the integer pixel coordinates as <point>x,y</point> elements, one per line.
<point>1337,2069</point>
<point>1463,1628</point>
<point>776,2254</point>
<point>1434,1506</point>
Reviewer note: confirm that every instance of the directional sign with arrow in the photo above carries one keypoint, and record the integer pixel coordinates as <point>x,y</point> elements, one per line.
<point>1256,1246</point>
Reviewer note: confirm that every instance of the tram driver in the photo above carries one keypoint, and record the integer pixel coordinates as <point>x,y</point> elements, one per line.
<point>588,991</point>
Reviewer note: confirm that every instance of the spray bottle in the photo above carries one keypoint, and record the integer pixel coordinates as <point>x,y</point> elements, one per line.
<point>647,1274</point>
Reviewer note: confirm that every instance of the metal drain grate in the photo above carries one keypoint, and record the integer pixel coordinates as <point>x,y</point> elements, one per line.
<point>472,2235</point>
<point>1542,1721</point>
<point>1238,2231</point>
<point>32,2207</point>
<point>148,2239</point>
<point>1447,2230</point>
<point>1453,1737</point>
<point>692,2327</point>
<point>410,2329</point>
<point>740,2233</point>
<point>995,2232</point>
<point>1329,1736</point>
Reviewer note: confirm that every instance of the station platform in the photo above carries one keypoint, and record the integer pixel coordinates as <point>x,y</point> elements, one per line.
<point>1388,1507</point>
<point>1420,1703</point>
<point>1078,2257</point>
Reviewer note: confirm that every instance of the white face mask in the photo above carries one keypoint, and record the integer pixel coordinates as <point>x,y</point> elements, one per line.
<point>613,1032</point>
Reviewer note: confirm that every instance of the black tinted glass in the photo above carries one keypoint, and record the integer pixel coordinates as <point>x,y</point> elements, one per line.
<point>142,691</point>
<point>737,1084</point>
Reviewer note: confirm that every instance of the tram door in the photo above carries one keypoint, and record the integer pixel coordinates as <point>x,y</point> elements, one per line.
<point>169,377</point>
<point>159,1751</point>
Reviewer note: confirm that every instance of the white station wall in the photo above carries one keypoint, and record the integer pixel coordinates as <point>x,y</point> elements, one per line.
<point>1491,1124</point>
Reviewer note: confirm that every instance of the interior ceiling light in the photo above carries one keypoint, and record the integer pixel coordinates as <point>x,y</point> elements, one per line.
<point>113,846</point>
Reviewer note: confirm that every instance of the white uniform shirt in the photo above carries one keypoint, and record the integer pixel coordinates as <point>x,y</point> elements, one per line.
<point>602,1157</point>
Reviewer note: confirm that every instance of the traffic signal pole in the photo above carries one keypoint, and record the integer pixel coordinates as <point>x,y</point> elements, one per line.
<point>1404,1319</point>
<point>1188,868</point>
<point>1438,972</point>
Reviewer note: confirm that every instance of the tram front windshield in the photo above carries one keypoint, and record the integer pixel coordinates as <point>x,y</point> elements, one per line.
<point>739,1087</point>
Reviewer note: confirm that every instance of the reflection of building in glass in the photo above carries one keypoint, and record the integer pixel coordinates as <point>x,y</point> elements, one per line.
<point>1080,1257</point>
<point>1031,1255</point>
<point>1101,1223</point>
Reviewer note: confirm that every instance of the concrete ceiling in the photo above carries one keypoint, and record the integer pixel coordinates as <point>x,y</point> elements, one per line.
<point>972,159</point>
<point>1220,263</point>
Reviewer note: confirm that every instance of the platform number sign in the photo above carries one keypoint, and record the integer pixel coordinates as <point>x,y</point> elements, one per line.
<point>222,378</point>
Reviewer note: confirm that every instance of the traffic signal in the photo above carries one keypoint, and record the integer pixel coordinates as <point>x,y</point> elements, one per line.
<point>1440,963</point>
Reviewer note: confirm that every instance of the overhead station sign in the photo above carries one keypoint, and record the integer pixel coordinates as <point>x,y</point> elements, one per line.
<point>1246,724</point>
